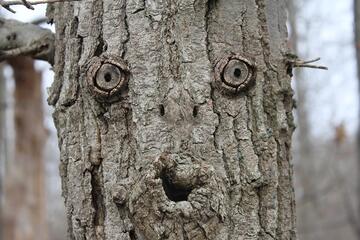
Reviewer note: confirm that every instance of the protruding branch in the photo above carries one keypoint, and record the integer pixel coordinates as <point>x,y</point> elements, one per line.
<point>294,61</point>
<point>301,63</point>
<point>27,3</point>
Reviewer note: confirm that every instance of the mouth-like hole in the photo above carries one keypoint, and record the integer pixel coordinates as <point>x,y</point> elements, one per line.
<point>173,192</point>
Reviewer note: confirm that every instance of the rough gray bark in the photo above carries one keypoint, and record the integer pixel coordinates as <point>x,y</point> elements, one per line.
<point>173,156</point>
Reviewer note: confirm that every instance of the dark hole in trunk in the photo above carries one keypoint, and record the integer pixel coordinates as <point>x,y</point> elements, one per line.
<point>132,235</point>
<point>173,192</point>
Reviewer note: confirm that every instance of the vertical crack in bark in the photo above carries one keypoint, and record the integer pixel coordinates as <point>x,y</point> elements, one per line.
<point>75,46</point>
<point>174,57</point>
<point>209,7</point>
<point>263,31</point>
<point>242,28</point>
<point>99,7</point>
<point>98,202</point>
<point>97,191</point>
<point>126,29</point>
<point>263,229</point>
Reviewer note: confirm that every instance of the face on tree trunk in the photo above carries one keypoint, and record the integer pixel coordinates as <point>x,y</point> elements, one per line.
<point>174,119</point>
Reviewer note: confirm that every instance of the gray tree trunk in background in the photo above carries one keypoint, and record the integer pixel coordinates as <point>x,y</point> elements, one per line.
<point>173,154</point>
<point>357,47</point>
<point>2,144</point>
<point>305,166</point>
<point>300,85</point>
<point>24,185</point>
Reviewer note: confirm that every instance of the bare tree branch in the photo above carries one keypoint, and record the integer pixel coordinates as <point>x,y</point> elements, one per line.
<point>28,3</point>
<point>25,39</point>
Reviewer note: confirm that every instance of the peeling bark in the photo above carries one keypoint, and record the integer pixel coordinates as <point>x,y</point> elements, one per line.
<point>175,157</point>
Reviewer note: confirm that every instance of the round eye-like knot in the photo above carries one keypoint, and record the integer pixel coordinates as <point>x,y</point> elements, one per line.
<point>235,73</point>
<point>106,77</point>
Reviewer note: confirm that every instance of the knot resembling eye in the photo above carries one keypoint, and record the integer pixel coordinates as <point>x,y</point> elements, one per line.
<point>106,77</point>
<point>235,73</point>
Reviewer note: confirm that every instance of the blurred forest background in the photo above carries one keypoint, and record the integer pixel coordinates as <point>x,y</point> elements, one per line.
<point>325,146</point>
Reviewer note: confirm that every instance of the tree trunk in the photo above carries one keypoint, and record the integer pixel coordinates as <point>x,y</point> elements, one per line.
<point>2,145</point>
<point>357,47</point>
<point>174,119</point>
<point>25,183</point>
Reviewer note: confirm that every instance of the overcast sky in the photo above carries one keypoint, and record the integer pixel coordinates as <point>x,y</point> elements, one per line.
<point>326,31</point>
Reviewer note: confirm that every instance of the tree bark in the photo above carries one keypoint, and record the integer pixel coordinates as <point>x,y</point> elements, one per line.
<point>173,154</point>
<point>25,210</point>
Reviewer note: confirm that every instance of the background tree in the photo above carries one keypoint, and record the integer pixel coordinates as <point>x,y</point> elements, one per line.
<point>357,47</point>
<point>25,209</point>
<point>3,149</point>
<point>174,154</point>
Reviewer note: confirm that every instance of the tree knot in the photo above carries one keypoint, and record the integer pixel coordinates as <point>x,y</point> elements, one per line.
<point>106,77</point>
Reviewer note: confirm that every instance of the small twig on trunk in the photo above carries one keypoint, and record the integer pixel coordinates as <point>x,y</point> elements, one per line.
<point>294,61</point>
<point>301,63</point>
<point>28,3</point>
